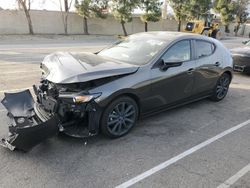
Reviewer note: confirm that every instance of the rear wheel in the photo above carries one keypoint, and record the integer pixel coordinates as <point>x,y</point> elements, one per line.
<point>221,88</point>
<point>119,117</point>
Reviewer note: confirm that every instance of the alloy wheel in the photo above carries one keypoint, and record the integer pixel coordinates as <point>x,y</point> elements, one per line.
<point>121,118</point>
<point>222,86</point>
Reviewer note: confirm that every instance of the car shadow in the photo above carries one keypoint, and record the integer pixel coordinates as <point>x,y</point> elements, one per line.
<point>148,126</point>
<point>169,124</point>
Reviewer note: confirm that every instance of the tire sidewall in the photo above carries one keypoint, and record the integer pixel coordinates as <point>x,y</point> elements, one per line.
<point>110,106</point>
<point>214,97</point>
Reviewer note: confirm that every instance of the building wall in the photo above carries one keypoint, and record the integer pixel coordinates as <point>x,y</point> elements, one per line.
<point>246,30</point>
<point>50,22</point>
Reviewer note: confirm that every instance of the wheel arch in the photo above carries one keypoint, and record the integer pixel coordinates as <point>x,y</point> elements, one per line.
<point>135,98</point>
<point>122,93</point>
<point>127,94</point>
<point>229,72</point>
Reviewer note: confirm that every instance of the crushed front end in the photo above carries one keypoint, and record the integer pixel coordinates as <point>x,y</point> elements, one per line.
<point>58,108</point>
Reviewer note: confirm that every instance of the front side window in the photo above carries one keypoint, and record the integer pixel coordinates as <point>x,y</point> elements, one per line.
<point>179,52</point>
<point>204,48</point>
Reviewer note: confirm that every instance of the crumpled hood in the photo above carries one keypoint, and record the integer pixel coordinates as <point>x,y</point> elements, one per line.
<point>65,68</point>
<point>242,50</point>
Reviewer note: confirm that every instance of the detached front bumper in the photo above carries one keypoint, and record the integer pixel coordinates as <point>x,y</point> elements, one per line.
<point>29,124</point>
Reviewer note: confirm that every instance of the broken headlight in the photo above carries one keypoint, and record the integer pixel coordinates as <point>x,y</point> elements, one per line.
<point>85,98</point>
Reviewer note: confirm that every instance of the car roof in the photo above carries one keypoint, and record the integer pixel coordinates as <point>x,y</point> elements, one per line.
<point>171,36</point>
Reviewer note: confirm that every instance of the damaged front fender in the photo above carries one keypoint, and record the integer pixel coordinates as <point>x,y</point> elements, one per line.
<point>27,129</point>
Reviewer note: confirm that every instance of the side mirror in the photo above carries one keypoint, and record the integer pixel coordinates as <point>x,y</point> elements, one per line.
<point>166,65</point>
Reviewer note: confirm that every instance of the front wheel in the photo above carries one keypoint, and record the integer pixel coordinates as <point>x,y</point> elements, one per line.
<point>221,87</point>
<point>119,117</point>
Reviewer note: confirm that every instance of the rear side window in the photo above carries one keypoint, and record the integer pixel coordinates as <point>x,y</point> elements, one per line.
<point>204,48</point>
<point>180,51</point>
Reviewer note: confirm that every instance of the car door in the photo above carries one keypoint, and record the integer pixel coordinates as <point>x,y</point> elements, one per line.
<point>174,82</point>
<point>208,66</point>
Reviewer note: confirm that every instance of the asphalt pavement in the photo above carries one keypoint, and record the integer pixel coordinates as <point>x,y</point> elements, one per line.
<point>203,144</point>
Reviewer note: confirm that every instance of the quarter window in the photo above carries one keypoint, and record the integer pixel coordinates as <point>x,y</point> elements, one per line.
<point>179,52</point>
<point>204,48</point>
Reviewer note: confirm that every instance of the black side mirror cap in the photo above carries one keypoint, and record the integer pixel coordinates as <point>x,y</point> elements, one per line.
<point>166,65</point>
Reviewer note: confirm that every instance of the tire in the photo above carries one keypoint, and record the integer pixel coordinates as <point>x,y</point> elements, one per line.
<point>216,34</point>
<point>119,117</point>
<point>221,88</point>
<point>246,71</point>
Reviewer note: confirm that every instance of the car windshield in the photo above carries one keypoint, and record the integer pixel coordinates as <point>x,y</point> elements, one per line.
<point>134,50</point>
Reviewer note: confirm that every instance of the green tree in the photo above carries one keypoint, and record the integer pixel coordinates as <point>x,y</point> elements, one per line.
<point>25,6</point>
<point>64,9</point>
<point>241,13</point>
<point>227,11</point>
<point>91,8</point>
<point>152,11</point>
<point>122,11</point>
<point>180,10</point>
<point>198,9</point>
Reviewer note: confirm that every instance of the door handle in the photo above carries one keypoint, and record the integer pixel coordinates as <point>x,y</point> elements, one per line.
<point>190,71</point>
<point>217,64</point>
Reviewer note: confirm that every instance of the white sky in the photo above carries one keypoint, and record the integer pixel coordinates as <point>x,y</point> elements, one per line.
<point>44,5</point>
<point>49,5</point>
<point>36,4</point>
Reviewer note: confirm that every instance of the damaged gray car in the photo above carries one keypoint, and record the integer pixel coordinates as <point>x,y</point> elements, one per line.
<point>85,93</point>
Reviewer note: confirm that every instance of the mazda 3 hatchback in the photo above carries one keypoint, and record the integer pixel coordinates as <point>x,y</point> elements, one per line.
<point>82,94</point>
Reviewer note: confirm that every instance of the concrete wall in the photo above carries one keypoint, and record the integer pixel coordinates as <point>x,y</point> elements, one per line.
<point>50,22</point>
<point>246,30</point>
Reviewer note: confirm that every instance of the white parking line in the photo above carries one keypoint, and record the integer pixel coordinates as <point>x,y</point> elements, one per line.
<point>16,72</point>
<point>240,86</point>
<point>9,53</point>
<point>2,110</point>
<point>186,153</point>
<point>56,47</point>
<point>235,177</point>
<point>23,57</point>
<point>13,90</point>
<point>4,62</point>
